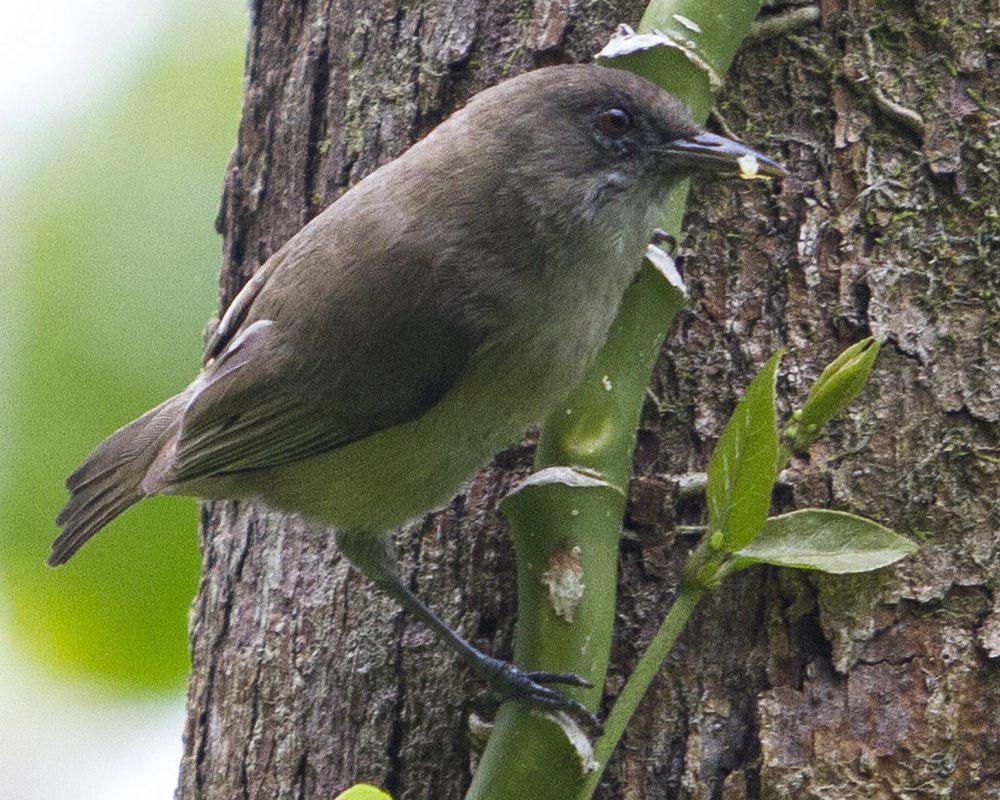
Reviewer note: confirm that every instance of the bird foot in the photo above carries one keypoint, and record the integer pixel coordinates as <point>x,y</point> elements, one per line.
<point>507,682</point>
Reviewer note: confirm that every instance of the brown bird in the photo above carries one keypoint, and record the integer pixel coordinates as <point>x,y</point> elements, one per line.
<point>420,324</point>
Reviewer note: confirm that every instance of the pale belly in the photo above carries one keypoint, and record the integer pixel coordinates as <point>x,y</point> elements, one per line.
<point>396,475</point>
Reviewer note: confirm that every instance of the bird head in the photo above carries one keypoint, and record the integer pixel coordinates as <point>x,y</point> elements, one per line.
<point>592,142</point>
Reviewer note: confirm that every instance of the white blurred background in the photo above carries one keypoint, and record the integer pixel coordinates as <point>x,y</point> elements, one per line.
<point>116,120</point>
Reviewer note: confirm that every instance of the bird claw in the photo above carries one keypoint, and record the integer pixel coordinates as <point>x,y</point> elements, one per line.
<point>565,678</point>
<point>507,682</point>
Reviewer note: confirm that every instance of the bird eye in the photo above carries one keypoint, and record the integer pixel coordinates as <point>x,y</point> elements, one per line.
<point>615,122</point>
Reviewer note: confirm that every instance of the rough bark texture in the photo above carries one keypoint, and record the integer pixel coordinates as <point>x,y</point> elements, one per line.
<point>785,685</point>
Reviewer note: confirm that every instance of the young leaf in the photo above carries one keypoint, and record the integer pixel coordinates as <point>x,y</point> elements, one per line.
<point>828,541</point>
<point>363,791</point>
<point>833,391</point>
<point>742,470</point>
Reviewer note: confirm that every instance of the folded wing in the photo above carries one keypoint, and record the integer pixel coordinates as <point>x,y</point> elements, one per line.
<point>288,379</point>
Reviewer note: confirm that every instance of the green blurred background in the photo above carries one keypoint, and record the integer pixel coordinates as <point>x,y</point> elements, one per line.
<point>111,172</point>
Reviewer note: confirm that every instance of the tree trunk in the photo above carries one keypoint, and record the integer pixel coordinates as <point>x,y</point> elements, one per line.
<point>305,679</point>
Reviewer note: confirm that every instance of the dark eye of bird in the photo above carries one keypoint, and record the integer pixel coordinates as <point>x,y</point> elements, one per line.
<point>615,122</point>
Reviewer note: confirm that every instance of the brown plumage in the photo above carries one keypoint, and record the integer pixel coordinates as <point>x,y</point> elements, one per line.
<point>420,323</point>
<point>110,480</point>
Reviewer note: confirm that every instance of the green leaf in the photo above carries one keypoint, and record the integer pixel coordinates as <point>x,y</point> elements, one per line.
<point>828,541</point>
<point>363,792</point>
<point>833,391</point>
<point>742,470</point>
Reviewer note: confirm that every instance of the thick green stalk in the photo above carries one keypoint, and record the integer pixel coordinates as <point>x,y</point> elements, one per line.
<point>566,537</point>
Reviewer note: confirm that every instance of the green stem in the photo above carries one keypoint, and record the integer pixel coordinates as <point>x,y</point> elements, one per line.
<point>573,530</point>
<point>576,528</point>
<point>638,683</point>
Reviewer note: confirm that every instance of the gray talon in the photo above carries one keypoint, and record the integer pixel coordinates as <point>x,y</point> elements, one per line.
<point>566,678</point>
<point>507,682</point>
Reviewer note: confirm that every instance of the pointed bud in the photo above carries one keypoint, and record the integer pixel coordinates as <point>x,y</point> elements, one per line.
<point>833,391</point>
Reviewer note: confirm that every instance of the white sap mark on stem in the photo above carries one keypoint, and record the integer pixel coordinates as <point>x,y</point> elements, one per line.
<point>690,24</point>
<point>577,737</point>
<point>564,580</point>
<point>625,42</point>
<point>664,264</point>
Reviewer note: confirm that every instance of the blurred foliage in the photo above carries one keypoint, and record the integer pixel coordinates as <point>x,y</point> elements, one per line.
<point>115,278</point>
<point>363,791</point>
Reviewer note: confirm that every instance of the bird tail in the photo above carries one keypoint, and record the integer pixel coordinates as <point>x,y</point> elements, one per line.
<point>111,479</point>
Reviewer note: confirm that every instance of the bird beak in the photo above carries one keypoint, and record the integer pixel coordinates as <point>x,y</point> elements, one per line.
<point>711,153</point>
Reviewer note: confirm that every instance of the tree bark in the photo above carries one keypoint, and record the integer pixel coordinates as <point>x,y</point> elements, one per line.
<point>785,685</point>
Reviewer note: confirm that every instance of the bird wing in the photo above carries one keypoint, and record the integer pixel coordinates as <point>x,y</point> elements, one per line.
<point>311,358</point>
<point>237,311</point>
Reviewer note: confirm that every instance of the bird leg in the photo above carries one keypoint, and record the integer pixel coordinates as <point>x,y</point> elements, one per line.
<point>372,555</point>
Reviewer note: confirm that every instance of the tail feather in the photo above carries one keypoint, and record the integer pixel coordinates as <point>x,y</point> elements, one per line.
<point>78,530</point>
<point>124,445</point>
<point>110,480</point>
